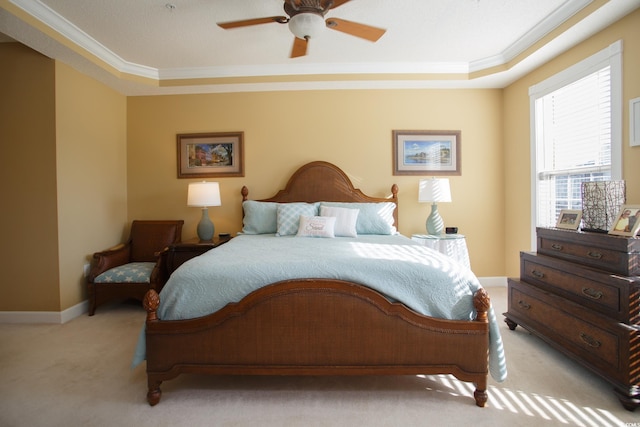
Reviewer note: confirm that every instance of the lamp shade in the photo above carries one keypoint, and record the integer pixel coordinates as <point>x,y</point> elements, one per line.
<point>306,25</point>
<point>434,190</point>
<point>203,194</point>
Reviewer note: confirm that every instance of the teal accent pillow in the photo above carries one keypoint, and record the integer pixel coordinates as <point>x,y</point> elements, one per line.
<point>288,218</point>
<point>134,272</point>
<point>259,217</point>
<point>373,218</point>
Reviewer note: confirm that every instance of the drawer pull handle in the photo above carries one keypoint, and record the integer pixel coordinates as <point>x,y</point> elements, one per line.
<point>592,293</point>
<point>595,255</point>
<point>556,246</point>
<point>524,305</point>
<point>537,273</point>
<point>590,341</point>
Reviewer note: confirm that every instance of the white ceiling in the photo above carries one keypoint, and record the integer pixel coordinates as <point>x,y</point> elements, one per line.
<point>428,43</point>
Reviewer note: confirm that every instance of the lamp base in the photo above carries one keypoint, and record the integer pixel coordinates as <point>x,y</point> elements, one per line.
<point>205,227</point>
<point>435,224</point>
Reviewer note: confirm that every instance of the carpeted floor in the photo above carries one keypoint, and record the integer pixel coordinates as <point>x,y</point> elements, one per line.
<point>78,374</point>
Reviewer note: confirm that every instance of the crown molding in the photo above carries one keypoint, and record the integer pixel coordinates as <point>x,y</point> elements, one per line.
<point>55,36</point>
<point>74,34</point>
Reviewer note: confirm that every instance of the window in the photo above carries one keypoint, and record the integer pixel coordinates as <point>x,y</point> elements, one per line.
<point>576,133</point>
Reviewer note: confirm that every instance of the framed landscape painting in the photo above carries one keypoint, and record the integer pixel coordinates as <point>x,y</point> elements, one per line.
<point>210,155</point>
<point>423,152</point>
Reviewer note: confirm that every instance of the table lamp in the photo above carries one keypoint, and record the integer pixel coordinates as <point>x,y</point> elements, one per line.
<point>204,194</point>
<point>434,190</point>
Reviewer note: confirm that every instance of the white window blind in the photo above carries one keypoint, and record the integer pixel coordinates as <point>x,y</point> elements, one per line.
<point>576,133</point>
<point>573,142</point>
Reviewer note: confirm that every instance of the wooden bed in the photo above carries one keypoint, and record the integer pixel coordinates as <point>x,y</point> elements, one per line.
<point>317,327</point>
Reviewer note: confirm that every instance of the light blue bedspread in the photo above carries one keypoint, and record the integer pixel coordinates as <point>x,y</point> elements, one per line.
<point>421,278</point>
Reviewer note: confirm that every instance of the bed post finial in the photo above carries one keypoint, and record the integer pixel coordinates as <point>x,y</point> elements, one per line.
<point>394,191</point>
<point>244,192</point>
<point>151,303</point>
<point>482,303</point>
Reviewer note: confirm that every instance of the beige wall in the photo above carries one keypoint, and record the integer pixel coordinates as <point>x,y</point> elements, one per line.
<point>62,175</point>
<point>91,174</point>
<point>352,129</point>
<point>517,166</point>
<point>29,253</point>
<point>78,161</point>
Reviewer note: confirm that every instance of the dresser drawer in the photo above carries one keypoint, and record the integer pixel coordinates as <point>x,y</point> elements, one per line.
<point>615,254</point>
<point>608,294</point>
<point>575,330</point>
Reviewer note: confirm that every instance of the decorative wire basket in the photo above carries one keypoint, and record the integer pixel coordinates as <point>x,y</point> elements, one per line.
<point>601,201</point>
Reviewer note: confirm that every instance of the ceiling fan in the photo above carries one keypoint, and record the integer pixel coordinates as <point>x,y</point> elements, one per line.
<point>306,21</point>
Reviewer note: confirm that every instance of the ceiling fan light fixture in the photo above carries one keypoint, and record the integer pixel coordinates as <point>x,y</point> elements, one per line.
<point>306,25</point>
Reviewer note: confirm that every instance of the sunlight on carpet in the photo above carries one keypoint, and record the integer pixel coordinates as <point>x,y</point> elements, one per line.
<point>547,408</point>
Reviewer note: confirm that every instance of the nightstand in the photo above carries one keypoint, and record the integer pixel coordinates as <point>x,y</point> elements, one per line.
<point>453,245</point>
<point>181,252</point>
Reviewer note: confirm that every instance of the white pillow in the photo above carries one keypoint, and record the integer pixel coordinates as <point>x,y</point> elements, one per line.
<point>374,218</point>
<point>346,220</point>
<point>316,226</point>
<point>288,216</point>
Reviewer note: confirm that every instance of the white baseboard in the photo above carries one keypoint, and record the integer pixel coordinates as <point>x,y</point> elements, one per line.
<point>75,311</point>
<point>57,317</point>
<point>493,282</point>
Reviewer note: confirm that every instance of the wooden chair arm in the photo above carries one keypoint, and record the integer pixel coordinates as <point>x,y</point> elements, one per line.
<point>160,273</point>
<point>115,248</point>
<point>162,253</point>
<point>110,258</point>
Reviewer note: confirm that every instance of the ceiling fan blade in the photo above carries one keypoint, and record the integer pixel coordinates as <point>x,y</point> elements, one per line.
<point>299,47</point>
<point>255,21</point>
<point>356,29</point>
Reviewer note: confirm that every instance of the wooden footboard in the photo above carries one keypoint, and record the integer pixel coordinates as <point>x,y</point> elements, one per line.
<point>317,327</point>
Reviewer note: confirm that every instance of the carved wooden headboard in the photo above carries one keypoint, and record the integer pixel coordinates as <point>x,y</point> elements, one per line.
<point>324,182</point>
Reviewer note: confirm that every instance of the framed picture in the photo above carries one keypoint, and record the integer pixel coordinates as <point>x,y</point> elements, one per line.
<point>569,219</point>
<point>210,155</point>
<point>627,223</point>
<point>424,152</point>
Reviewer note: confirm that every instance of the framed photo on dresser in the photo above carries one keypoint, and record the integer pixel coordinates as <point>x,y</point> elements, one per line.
<point>569,219</point>
<point>627,223</point>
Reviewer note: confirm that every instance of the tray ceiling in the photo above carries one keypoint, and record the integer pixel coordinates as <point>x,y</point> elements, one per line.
<point>175,46</point>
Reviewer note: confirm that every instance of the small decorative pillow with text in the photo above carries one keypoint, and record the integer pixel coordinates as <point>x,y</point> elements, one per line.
<point>346,220</point>
<point>289,216</point>
<point>316,226</point>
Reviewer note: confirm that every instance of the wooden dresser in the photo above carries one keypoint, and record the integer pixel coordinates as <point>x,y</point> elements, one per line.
<point>580,292</point>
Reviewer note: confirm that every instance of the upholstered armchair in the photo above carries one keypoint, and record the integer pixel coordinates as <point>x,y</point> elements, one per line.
<point>130,269</point>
